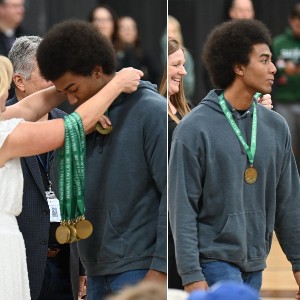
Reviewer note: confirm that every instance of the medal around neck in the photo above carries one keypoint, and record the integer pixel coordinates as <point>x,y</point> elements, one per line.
<point>250,175</point>
<point>102,130</point>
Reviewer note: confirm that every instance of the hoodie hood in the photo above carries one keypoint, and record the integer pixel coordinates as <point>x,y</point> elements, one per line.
<point>212,100</point>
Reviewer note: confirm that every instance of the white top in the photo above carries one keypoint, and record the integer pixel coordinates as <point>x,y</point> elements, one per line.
<point>11,177</point>
<point>14,282</point>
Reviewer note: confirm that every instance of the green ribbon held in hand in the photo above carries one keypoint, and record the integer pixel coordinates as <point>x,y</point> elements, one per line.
<point>72,167</point>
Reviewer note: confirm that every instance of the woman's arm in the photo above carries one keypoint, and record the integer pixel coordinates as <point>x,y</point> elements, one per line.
<point>39,137</point>
<point>127,80</point>
<point>35,106</point>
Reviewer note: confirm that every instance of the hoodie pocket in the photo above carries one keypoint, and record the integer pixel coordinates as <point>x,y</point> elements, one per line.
<point>105,243</point>
<point>242,238</point>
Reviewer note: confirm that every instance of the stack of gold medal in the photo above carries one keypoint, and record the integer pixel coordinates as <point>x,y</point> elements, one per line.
<point>72,157</point>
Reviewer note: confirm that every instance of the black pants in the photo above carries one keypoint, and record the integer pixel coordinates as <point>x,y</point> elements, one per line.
<point>57,282</point>
<point>174,280</point>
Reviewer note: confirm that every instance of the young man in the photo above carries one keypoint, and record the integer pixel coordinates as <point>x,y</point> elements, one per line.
<point>125,197</point>
<point>233,177</point>
<point>53,269</point>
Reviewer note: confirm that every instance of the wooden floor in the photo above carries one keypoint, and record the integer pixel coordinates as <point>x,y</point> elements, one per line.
<point>278,279</point>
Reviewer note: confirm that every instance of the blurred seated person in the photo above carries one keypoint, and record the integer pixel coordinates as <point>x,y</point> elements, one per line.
<point>11,16</point>
<point>105,19</point>
<point>129,39</point>
<point>240,9</point>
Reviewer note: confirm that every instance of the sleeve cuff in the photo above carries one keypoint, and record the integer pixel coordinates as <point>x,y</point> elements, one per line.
<point>192,277</point>
<point>159,264</point>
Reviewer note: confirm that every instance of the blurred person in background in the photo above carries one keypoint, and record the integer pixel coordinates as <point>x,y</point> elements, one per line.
<point>11,16</point>
<point>240,9</point>
<point>53,269</point>
<point>286,50</point>
<point>172,86</point>
<point>174,31</point>
<point>129,40</point>
<point>233,9</point>
<point>105,19</point>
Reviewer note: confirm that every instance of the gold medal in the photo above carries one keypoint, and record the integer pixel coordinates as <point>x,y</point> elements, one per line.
<point>73,233</point>
<point>62,234</point>
<point>84,228</point>
<point>250,175</point>
<point>102,130</point>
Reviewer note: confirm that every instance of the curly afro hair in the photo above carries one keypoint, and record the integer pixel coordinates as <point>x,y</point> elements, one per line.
<point>74,46</point>
<point>229,44</point>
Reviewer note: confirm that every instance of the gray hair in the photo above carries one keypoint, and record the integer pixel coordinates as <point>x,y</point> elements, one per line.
<point>23,55</point>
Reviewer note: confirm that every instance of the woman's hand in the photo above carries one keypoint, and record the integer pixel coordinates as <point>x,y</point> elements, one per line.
<point>266,101</point>
<point>128,79</point>
<point>104,121</point>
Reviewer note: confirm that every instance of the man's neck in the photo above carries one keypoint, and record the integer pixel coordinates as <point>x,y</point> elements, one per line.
<point>240,99</point>
<point>104,80</point>
<point>108,78</point>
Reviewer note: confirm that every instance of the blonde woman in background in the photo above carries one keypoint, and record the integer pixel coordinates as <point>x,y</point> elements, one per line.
<point>174,32</point>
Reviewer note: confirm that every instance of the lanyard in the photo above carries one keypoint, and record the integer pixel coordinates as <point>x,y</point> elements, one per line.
<point>249,150</point>
<point>46,165</point>
<point>44,168</point>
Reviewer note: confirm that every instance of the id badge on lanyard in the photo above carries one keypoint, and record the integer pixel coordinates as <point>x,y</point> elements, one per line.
<point>54,207</point>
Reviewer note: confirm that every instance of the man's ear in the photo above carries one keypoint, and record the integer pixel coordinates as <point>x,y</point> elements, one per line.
<point>19,82</point>
<point>238,70</point>
<point>98,71</point>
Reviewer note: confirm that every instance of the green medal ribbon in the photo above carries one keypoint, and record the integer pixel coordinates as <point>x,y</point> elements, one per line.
<point>249,150</point>
<point>72,157</point>
<point>72,166</point>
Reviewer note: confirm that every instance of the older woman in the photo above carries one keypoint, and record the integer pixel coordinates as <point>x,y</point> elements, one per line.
<point>19,138</point>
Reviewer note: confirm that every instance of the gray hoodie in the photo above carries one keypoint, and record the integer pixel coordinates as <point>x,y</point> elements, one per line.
<point>125,196</point>
<point>214,214</point>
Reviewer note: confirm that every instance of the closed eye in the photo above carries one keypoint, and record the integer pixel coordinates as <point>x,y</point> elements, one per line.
<point>73,91</point>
